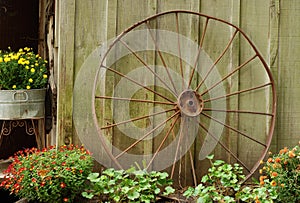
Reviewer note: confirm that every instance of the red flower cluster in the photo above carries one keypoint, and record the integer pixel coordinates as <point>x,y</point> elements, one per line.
<point>50,175</point>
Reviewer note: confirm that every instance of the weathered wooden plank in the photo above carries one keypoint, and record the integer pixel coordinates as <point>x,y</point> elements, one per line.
<point>128,13</point>
<point>255,22</point>
<point>183,25</point>
<point>217,36</point>
<point>91,30</point>
<point>288,116</point>
<point>274,52</point>
<point>65,68</point>
<point>90,33</point>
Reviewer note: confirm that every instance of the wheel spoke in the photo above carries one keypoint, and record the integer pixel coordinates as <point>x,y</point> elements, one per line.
<point>136,119</point>
<point>147,134</point>
<point>177,148</point>
<point>218,59</point>
<point>230,74</point>
<point>147,66</point>
<point>238,111</point>
<point>238,92</point>
<point>135,82</point>
<point>161,58</point>
<point>233,129</point>
<point>179,51</point>
<point>193,168</point>
<point>164,140</point>
<point>135,100</point>
<point>199,51</point>
<point>224,147</point>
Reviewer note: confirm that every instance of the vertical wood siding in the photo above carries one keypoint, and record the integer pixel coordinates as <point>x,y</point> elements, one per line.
<point>273,26</point>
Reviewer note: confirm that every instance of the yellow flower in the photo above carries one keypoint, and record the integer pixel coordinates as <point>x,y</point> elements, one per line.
<point>6,59</point>
<point>20,61</point>
<point>15,57</point>
<point>23,60</point>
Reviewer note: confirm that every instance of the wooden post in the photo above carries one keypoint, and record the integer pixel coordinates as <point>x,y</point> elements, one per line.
<point>65,67</point>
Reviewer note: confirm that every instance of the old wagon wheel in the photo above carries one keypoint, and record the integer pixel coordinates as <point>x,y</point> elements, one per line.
<point>182,85</point>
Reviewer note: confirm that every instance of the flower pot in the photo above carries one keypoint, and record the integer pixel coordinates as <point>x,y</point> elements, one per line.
<point>22,104</point>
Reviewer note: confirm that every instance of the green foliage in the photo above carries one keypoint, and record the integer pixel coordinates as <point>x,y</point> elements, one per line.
<point>279,181</point>
<point>128,186</point>
<point>51,175</point>
<point>22,70</point>
<point>220,183</point>
<point>257,194</point>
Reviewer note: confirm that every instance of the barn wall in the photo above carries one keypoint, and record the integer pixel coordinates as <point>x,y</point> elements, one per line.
<point>273,25</point>
<point>287,72</point>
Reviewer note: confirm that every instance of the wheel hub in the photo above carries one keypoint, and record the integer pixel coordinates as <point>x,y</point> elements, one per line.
<point>190,103</point>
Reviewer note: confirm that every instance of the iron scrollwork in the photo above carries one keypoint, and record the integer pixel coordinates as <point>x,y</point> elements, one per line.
<point>7,127</point>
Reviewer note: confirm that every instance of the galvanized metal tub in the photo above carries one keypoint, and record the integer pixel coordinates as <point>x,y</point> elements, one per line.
<point>22,104</point>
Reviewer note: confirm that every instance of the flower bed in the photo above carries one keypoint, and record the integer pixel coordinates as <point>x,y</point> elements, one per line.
<point>51,175</point>
<point>59,175</point>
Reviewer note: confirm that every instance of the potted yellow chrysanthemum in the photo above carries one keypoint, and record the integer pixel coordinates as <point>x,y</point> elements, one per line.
<point>23,79</point>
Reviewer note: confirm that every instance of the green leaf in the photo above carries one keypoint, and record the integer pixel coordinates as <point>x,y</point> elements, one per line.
<point>218,162</point>
<point>157,191</point>
<point>87,195</point>
<point>204,199</point>
<point>93,176</point>
<point>189,192</point>
<point>109,172</point>
<point>131,170</point>
<point>204,179</point>
<point>125,189</point>
<point>210,157</point>
<point>163,175</point>
<point>133,195</point>
<point>169,190</point>
<point>116,198</point>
